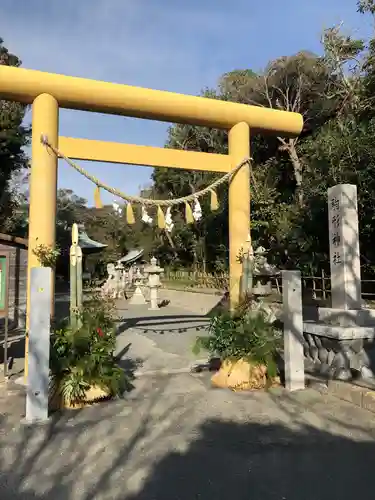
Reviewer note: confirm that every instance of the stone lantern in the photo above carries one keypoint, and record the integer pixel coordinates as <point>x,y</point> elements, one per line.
<point>263,272</point>
<point>153,272</point>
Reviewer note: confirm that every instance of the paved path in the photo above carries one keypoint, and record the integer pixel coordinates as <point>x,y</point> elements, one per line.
<point>159,340</point>
<point>174,438</point>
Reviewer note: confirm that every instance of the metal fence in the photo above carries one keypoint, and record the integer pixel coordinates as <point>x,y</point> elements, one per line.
<point>315,287</point>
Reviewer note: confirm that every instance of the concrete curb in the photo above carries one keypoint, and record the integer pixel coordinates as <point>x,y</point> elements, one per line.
<point>172,371</point>
<point>162,372</point>
<point>360,396</point>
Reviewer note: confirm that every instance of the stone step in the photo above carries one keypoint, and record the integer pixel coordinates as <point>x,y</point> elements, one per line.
<point>341,317</point>
<point>339,332</point>
<point>355,393</point>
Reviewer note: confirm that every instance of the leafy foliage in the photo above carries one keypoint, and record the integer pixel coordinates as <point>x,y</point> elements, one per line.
<point>290,177</point>
<point>13,137</point>
<point>83,358</point>
<point>46,255</point>
<point>244,334</point>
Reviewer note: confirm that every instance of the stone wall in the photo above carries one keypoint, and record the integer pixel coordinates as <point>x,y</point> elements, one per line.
<point>332,357</point>
<point>17,284</point>
<point>339,359</point>
<point>329,355</point>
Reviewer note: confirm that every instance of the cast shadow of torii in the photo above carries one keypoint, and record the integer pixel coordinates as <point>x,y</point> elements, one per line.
<point>190,321</point>
<point>144,322</point>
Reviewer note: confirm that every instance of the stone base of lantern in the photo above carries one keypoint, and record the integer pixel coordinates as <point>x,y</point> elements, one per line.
<point>153,299</point>
<point>137,298</point>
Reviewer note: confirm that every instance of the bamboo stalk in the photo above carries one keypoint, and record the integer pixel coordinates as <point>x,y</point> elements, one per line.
<point>79,285</point>
<point>244,277</point>
<point>73,285</point>
<point>73,277</point>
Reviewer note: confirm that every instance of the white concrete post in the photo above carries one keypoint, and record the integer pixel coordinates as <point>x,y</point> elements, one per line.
<point>344,247</point>
<point>293,331</point>
<point>39,344</point>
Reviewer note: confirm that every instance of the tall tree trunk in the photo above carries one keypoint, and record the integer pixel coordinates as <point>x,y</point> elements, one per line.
<point>297,168</point>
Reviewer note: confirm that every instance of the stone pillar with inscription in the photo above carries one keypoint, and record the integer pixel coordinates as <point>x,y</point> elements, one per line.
<point>344,247</point>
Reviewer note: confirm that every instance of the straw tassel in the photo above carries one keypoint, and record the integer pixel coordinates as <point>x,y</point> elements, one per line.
<point>97,198</point>
<point>214,201</point>
<point>161,218</point>
<point>188,213</point>
<point>130,219</point>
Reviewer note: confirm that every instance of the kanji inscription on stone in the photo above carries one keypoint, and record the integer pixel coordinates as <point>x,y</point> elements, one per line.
<point>336,258</point>
<point>336,239</point>
<point>344,247</point>
<point>335,204</point>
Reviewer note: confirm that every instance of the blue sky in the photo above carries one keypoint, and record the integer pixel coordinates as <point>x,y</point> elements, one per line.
<point>181,46</point>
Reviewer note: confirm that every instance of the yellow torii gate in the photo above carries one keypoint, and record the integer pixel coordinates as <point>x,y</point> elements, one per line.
<point>48,92</point>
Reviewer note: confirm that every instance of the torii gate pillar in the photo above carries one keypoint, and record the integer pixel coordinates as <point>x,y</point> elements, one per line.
<point>43,187</point>
<point>239,205</point>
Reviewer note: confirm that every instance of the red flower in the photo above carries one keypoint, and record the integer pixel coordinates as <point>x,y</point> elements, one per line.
<point>100,332</point>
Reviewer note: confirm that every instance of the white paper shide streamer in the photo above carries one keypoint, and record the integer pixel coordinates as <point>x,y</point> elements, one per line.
<point>145,217</point>
<point>116,208</point>
<point>197,213</point>
<point>168,220</point>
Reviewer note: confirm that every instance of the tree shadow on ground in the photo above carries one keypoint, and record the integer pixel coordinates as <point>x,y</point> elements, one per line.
<point>265,462</point>
<point>76,454</point>
<point>151,449</point>
<point>128,364</point>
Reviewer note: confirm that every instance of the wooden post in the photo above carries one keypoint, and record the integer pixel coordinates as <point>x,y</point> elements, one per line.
<point>324,294</point>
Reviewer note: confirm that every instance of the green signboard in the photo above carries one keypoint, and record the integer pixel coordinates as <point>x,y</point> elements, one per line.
<point>3,283</point>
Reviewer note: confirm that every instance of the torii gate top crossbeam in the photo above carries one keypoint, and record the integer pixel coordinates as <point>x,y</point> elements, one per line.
<point>24,85</point>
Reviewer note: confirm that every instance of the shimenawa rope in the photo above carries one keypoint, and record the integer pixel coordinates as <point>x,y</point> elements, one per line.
<point>137,199</point>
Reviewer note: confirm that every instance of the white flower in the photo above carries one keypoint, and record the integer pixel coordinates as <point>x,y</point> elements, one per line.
<point>168,220</point>
<point>197,213</point>
<point>145,217</point>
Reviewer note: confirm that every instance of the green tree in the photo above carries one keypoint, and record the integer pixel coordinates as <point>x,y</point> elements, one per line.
<point>14,136</point>
<point>368,90</point>
<point>204,244</point>
<point>70,209</point>
<point>288,83</point>
<point>366,6</point>
<point>294,83</point>
<point>290,177</point>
